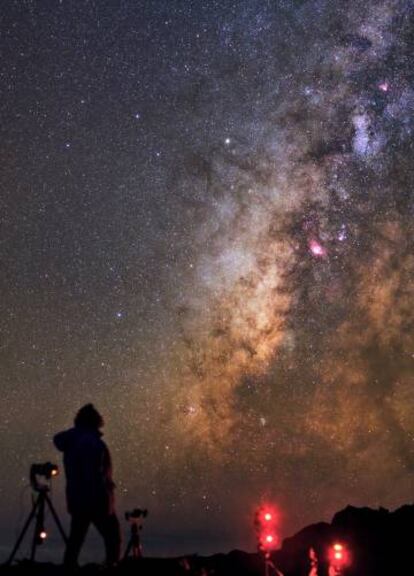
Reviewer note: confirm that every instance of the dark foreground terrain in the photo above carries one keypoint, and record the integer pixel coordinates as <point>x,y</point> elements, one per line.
<point>379,543</point>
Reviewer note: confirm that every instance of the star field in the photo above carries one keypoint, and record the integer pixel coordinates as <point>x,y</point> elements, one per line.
<point>207,231</point>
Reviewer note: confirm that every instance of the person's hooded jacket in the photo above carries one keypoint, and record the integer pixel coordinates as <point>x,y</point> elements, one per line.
<point>87,462</point>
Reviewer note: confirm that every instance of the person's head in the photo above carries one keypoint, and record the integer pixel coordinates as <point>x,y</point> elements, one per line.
<point>89,417</point>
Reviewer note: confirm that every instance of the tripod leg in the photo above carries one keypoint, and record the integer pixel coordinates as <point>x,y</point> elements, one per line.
<point>128,549</point>
<point>56,519</point>
<point>40,524</point>
<point>136,550</point>
<point>23,533</point>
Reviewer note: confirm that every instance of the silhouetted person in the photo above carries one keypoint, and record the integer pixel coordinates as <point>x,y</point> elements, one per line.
<point>89,485</point>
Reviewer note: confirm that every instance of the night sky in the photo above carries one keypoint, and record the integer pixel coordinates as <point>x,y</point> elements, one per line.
<point>206,229</point>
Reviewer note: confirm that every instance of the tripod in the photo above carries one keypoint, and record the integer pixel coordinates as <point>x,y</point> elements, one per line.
<point>38,515</point>
<point>134,543</point>
<point>136,520</point>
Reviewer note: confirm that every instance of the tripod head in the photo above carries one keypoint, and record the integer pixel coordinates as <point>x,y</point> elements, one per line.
<point>45,471</point>
<point>136,515</point>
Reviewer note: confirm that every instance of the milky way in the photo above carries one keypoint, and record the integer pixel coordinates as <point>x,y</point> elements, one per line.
<point>299,340</point>
<point>208,231</point>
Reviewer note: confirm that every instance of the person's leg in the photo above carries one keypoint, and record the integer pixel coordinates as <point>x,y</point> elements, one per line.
<point>78,529</point>
<point>110,530</point>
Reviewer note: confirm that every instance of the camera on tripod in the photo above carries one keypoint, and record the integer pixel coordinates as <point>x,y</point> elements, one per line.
<point>46,471</point>
<point>39,472</point>
<point>136,514</point>
<point>136,519</point>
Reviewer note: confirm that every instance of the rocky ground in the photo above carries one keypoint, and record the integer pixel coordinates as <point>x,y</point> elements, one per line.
<point>377,543</point>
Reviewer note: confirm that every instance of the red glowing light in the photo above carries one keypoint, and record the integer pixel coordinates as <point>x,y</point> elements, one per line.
<point>266,528</point>
<point>265,516</point>
<point>268,542</point>
<point>338,555</point>
<point>43,535</point>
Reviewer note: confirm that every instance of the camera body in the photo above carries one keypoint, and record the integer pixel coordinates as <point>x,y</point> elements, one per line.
<point>46,470</point>
<point>136,514</point>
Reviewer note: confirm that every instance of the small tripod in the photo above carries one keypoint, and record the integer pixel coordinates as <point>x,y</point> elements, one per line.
<point>38,515</point>
<point>135,519</point>
<point>134,544</point>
